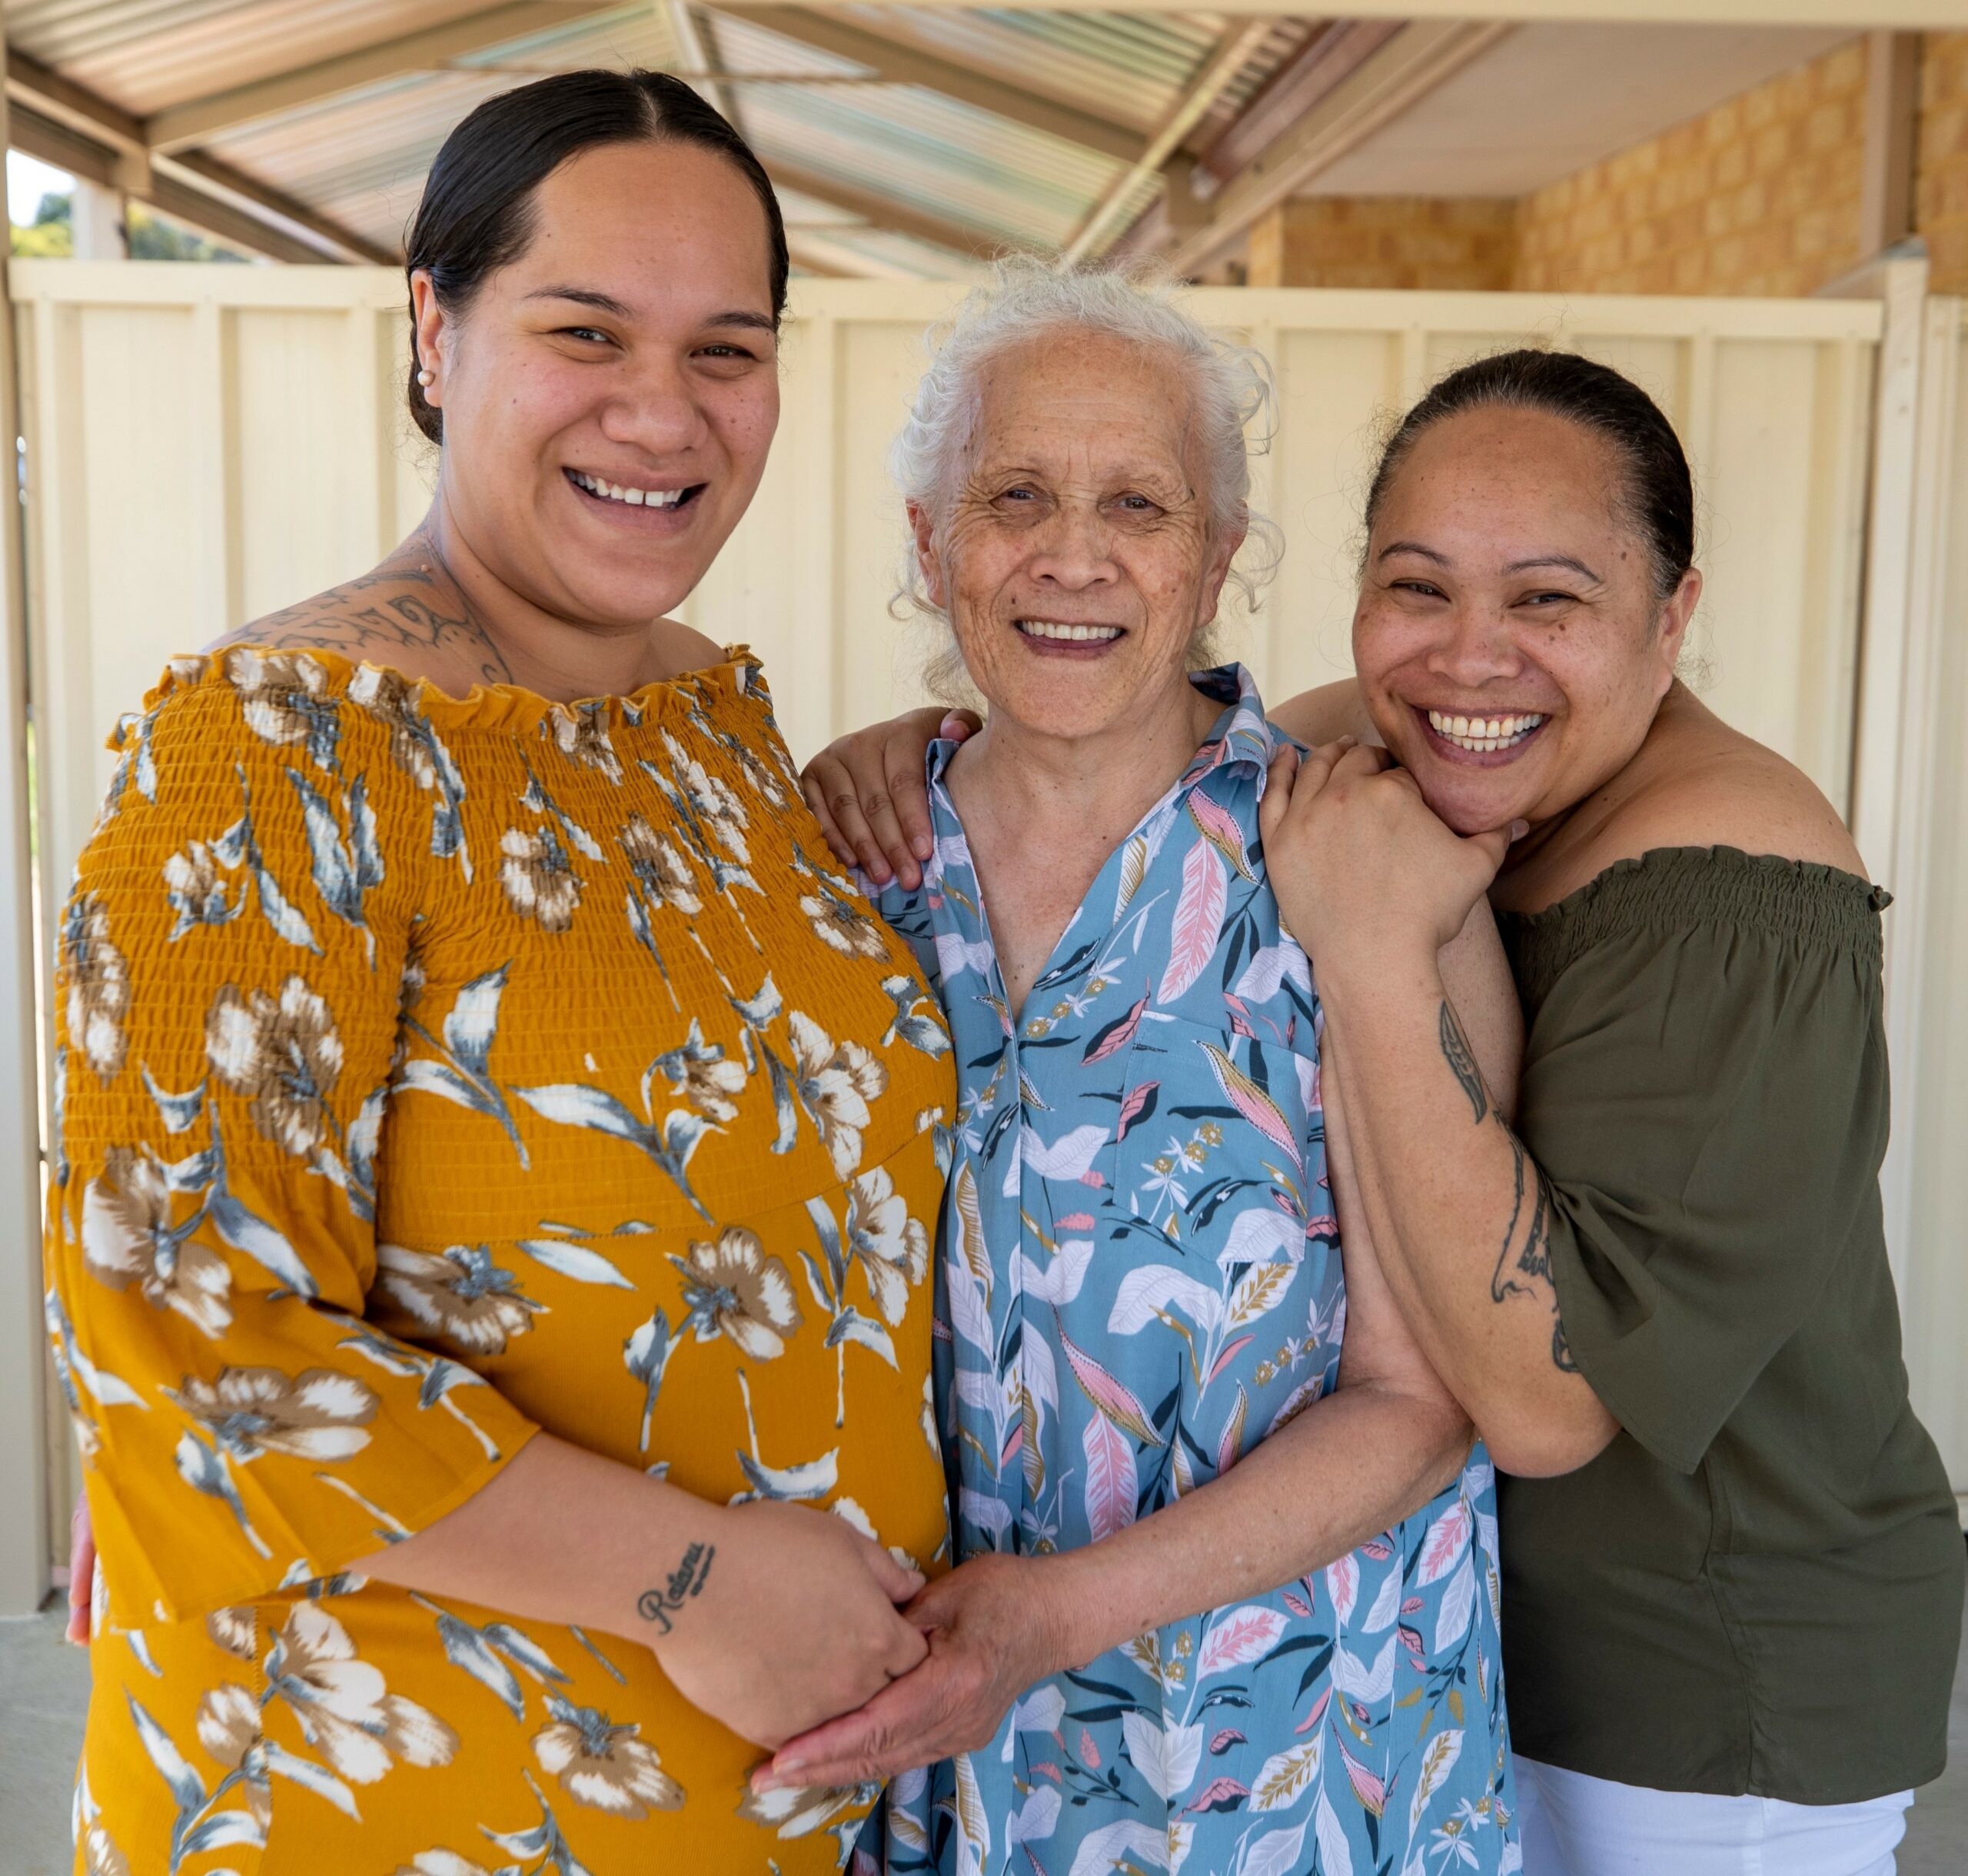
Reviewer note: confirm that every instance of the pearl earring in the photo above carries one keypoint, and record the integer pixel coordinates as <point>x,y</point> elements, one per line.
<point>427,377</point>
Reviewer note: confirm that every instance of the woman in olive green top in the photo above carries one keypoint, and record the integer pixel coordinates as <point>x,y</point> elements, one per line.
<point>1732,1572</point>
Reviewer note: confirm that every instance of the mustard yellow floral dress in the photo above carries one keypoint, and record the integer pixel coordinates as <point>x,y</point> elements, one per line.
<point>431,1071</point>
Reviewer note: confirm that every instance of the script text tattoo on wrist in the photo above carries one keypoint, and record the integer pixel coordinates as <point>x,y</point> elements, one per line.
<point>1523,1269</point>
<point>658,1606</point>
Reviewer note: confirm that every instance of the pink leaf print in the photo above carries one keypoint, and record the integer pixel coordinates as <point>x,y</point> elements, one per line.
<point>1223,1361</point>
<point>1219,828</point>
<point>1199,921</point>
<point>1369,1790</point>
<point>1377,1549</point>
<point>1137,1098</point>
<point>1112,1487</point>
<point>1219,1794</point>
<point>1411,1605</point>
<point>1242,1637</point>
<point>1342,1584</point>
<point>1089,1753</point>
<point>1230,1448</point>
<point>1072,1222</point>
<point>1448,1537</point>
<point>1116,1037</point>
<point>1317,1712</point>
<point>1046,1769</point>
<point>1251,1102</point>
<point>1297,1606</point>
<point>1111,1395</point>
<point>1224,1741</point>
<point>1411,1639</point>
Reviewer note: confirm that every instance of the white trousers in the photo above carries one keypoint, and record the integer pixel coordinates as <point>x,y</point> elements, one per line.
<point>1574,1825</point>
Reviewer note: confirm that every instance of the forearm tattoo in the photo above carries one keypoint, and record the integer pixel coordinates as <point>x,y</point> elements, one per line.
<point>1462,1061</point>
<point>1523,1259</point>
<point>689,1576</point>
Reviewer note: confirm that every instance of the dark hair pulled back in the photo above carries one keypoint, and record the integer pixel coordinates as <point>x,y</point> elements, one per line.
<point>477,213</point>
<point>1658,492</point>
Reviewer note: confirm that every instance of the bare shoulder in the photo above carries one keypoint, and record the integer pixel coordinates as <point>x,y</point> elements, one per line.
<point>1699,784</point>
<point>684,648</point>
<point>1324,714</point>
<point>407,619</point>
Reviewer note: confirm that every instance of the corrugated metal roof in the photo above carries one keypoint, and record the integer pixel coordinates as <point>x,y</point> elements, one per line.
<point>144,54</point>
<point>1126,66</point>
<point>358,157</point>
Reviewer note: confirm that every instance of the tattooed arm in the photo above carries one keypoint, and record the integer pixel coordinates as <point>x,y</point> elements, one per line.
<point>769,1617</point>
<point>407,614</point>
<point>1461,1213</point>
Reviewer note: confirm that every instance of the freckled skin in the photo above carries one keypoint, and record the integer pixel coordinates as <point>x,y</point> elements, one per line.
<point>514,575</point>
<point>1444,623</point>
<point>528,387</point>
<point>1078,504</point>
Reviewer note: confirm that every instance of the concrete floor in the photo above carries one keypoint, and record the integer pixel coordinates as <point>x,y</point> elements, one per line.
<point>43,1690</point>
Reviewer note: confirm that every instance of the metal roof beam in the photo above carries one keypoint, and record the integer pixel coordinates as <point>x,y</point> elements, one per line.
<point>1859,15</point>
<point>906,65</point>
<point>199,119</point>
<point>880,210</point>
<point>1217,74</point>
<point>207,176</point>
<point>229,226</point>
<point>1376,91</point>
<point>64,123</point>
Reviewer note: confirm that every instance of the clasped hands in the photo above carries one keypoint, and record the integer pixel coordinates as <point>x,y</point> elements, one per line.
<point>993,1631</point>
<point>1364,868</point>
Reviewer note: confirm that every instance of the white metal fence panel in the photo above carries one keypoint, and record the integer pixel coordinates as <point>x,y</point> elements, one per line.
<point>1772,398</point>
<point>206,445</point>
<point>1926,1180</point>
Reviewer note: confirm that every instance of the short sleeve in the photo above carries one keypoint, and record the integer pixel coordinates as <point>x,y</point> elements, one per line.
<point>227,991</point>
<point>1708,1101</point>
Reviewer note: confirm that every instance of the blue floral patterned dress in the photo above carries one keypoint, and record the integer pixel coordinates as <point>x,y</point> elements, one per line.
<point>1140,1279</point>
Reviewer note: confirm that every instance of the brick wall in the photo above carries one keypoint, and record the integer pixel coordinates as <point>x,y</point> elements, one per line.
<point>1941,194</point>
<point>1758,196</point>
<point>1385,241</point>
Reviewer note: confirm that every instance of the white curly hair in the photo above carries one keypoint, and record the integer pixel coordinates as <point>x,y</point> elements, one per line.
<point>1230,383</point>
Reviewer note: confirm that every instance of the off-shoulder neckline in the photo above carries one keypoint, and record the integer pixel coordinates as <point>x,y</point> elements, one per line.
<point>1722,859</point>
<point>493,706</point>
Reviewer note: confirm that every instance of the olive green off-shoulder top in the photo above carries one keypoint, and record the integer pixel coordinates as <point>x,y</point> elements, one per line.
<point>1757,1587</point>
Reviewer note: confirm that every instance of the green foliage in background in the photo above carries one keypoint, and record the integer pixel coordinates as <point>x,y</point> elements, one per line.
<point>52,237</point>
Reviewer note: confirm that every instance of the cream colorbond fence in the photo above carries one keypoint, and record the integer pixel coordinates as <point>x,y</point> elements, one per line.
<point>205,444</point>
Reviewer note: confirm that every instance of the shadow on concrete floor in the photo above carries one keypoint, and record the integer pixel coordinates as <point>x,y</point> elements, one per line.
<point>44,1692</point>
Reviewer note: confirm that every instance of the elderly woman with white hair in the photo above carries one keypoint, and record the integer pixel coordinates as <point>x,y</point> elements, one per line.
<point>1227,1592</point>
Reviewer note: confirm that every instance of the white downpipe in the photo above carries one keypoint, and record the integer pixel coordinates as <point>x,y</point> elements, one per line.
<point>24,1534</point>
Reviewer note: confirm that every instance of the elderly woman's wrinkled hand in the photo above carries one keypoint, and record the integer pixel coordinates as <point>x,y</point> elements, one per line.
<point>1362,867</point>
<point>990,1638</point>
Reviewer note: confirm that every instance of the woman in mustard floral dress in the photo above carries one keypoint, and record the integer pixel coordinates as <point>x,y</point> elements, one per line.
<point>488,1232</point>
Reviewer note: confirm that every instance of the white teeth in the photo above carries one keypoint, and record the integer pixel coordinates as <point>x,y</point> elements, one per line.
<point>633,497</point>
<point>1482,734</point>
<point>1050,628</point>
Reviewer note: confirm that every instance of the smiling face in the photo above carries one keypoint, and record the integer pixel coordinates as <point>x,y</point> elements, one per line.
<point>609,396</point>
<point>1511,642</point>
<point>1075,556</point>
